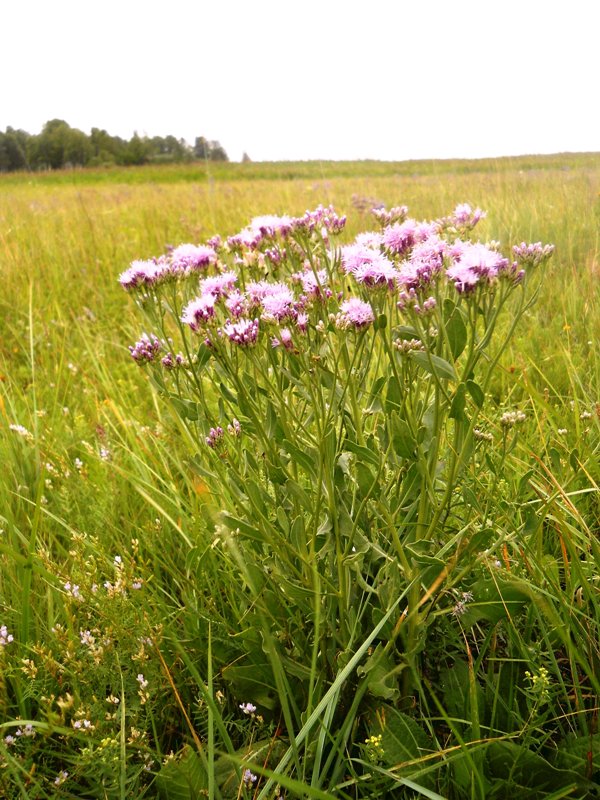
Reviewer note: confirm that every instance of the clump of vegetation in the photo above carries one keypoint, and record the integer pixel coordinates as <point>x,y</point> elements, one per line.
<point>60,146</point>
<point>346,547</point>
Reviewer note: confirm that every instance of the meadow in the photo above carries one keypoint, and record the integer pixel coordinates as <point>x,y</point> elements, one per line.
<point>180,621</point>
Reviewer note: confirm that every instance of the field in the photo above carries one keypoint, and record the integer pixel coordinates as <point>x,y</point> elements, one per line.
<point>136,626</point>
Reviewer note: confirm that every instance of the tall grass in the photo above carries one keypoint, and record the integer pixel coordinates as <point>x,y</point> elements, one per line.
<point>103,470</point>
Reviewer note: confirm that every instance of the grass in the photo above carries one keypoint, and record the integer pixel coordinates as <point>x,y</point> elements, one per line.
<point>108,471</point>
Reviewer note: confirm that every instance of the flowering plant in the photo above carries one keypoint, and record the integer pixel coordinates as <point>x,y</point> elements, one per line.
<point>339,400</point>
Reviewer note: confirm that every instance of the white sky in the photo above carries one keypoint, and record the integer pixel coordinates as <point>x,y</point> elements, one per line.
<point>307,79</point>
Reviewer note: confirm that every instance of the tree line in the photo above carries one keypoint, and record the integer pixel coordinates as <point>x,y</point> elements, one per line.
<point>59,146</point>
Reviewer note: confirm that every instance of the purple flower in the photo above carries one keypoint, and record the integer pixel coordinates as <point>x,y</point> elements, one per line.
<point>532,254</point>
<point>243,333</point>
<point>475,263</point>
<point>302,322</point>
<point>464,216</point>
<point>146,349</point>
<point>371,239</point>
<point>170,361</point>
<point>270,225</point>
<point>199,311</point>
<point>385,218</point>
<point>354,313</point>
<point>236,304</point>
<point>5,636</point>
<point>249,778</point>
<point>425,262</point>
<point>235,429</point>
<point>144,273</point>
<point>189,258</point>
<point>214,436</point>
<point>278,305</point>
<point>218,285</point>
<point>399,238</point>
<point>355,255</point>
<point>376,271</point>
<point>248,708</point>
<point>284,340</point>
<point>246,239</point>
<point>313,283</point>
<point>256,292</point>
<point>325,218</point>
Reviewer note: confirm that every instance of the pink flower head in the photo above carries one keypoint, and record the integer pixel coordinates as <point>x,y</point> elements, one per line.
<point>146,349</point>
<point>243,333</point>
<point>218,285</point>
<point>425,230</point>
<point>248,239</point>
<point>464,216</point>
<point>326,219</point>
<point>400,237</point>
<point>270,225</point>
<point>377,271</point>
<point>214,437</point>
<point>284,340</point>
<point>532,254</point>
<point>314,284</point>
<point>355,255</point>
<point>144,273</point>
<point>189,258</point>
<point>425,262</point>
<point>278,305</point>
<point>302,322</point>
<point>384,217</point>
<point>474,263</point>
<point>199,311</point>
<point>354,313</point>
<point>371,239</point>
<point>236,304</point>
<point>256,292</point>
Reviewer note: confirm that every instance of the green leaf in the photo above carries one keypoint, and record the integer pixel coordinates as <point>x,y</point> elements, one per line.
<point>456,329</point>
<point>182,778</point>
<point>574,460</point>
<point>234,524</point>
<point>393,399</point>
<point>476,393</point>
<point>186,409</point>
<point>364,453</point>
<point>457,407</point>
<point>524,768</point>
<point>306,458</point>
<point>403,441</point>
<point>364,478</point>
<point>434,365</point>
<point>382,680</point>
<point>402,739</point>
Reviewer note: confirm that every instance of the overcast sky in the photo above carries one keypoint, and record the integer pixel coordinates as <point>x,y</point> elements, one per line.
<point>310,79</point>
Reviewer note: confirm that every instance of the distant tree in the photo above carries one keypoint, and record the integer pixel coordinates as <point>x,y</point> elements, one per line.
<point>13,150</point>
<point>246,158</point>
<point>137,151</point>
<point>201,149</point>
<point>59,145</point>
<point>106,149</point>
<point>208,151</point>
<point>217,152</point>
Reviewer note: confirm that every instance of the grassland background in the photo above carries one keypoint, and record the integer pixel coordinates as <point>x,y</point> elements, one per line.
<point>65,323</point>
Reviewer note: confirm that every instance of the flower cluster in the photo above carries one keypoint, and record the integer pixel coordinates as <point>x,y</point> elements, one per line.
<point>146,349</point>
<point>310,284</point>
<point>532,255</point>
<point>5,636</point>
<point>187,259</point>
